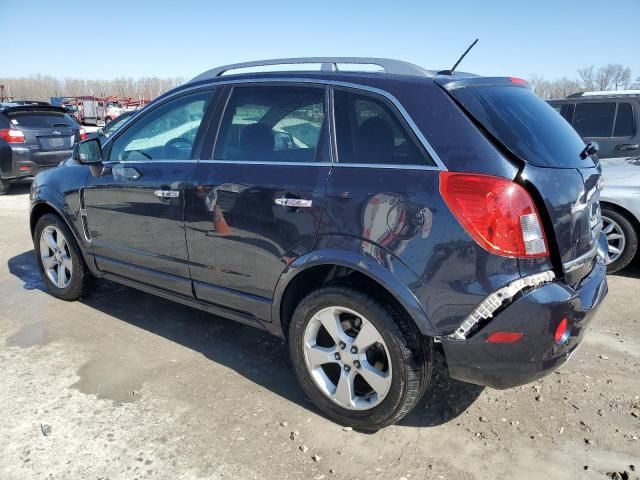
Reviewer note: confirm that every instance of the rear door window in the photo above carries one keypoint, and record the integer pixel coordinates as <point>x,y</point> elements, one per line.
<point>41,120</point>
<point>523,123</point>
<point>273,124</point>
<point>594,119</point>
<point>624,121</point>
<point>368,131</point>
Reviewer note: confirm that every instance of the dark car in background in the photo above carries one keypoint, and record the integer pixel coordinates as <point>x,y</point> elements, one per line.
<point>610,118</point>
<point>371,219</point>
<point>33,138</point>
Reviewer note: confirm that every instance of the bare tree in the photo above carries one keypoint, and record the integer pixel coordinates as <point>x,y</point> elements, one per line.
<point>605,76</point>
<point>43,87</point>
<point>622,77</point>
<point>587,77</point>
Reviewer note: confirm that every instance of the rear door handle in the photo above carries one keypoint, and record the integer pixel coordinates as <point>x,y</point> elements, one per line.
<point>293,202</point>
<point>167,193</point>
<point>627,146</point>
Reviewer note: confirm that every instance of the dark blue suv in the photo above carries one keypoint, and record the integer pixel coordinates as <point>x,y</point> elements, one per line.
<point>369,218</point>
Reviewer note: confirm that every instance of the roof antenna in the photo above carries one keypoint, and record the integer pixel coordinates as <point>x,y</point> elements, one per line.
<point>450,72</point>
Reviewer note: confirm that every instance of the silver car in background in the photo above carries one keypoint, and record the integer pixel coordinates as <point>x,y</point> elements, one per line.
<point>620,204</point>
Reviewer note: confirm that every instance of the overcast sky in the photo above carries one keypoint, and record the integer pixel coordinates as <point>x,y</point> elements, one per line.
<point>113,38</point>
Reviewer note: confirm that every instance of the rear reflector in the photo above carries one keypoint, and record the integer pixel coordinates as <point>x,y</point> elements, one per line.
<point>562,332</point>
<point>499,214</point>
<point>24,168</point>
<point>11,135</point>
<point>504,337</point>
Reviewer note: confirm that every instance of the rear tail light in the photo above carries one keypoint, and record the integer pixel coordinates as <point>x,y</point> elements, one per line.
<point>11,135</point>
<point>499,214</point>
<point>504,337</point>
<point>83,134</point>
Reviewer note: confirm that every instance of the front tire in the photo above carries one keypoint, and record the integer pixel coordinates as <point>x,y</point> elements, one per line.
<point>59,258</point>
<point>362,363</point>
<point>622,239</point>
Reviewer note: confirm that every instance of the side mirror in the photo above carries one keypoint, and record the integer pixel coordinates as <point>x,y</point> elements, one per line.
<point>589,150</point>
<point>88,152</point>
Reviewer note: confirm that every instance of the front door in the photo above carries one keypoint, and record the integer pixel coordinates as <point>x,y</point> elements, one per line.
<point>135,206</point>
<point>256,204</point>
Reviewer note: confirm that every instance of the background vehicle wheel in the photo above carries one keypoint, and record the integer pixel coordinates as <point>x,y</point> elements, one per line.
<point>4,186</point>
<point>621,237</point>
<point>363,364</point>
<point>59,259</point>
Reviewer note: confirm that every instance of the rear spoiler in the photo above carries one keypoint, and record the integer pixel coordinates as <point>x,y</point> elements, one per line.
<point>451,82</point>
<point>31,108</point>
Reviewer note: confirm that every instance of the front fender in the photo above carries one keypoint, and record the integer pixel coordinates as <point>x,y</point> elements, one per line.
<point>396,278</point>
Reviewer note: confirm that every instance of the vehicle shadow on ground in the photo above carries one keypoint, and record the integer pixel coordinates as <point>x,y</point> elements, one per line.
<point>19,188</point>
<point>631,271</point>
<point>254,354</point>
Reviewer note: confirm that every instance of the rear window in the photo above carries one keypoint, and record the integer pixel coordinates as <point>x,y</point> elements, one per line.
<point>523,123</point>
<point>41,120</point>
<point>624,121</point>
<point>594,119</point>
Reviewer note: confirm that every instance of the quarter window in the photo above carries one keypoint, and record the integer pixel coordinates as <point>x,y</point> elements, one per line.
<point>166,133</point>
<point>369,132</point>
<point>624,121</point>
<point>594,119</point>
<point>273,124</point>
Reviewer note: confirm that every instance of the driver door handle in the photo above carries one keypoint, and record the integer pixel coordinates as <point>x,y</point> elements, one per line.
<point>167,193</point>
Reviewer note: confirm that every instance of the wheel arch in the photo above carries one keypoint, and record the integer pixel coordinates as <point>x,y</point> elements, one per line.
<point>622,211</point>
<point>318,268</point>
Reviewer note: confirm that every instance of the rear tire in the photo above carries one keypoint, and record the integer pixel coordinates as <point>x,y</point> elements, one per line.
<point>4,186</point>
<point>622,239</point>
<point>390,353</point>
<point>59,259</point>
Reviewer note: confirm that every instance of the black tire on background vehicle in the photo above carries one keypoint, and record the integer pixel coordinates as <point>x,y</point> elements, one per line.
<point>622,238</point>
<point>59,259</point>
<point>4,186</point>
<point>107,121</point>
<point>368,339</point>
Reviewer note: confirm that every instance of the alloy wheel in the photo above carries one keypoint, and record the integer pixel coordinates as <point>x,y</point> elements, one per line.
<point>347,358</point>
<point>615,238</point>
<point>56,256</point>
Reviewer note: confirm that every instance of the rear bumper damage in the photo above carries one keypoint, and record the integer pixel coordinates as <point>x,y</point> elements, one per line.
<point>536,314</point>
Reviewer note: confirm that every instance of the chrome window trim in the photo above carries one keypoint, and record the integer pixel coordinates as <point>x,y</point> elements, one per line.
<point>261,162</point>
<point>388,166</point>
<point>405,115</point>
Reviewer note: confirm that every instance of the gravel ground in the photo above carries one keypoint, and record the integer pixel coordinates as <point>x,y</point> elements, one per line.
<point>124,385</point>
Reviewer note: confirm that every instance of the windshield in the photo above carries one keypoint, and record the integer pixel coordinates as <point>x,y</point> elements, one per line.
<point>525,124</point>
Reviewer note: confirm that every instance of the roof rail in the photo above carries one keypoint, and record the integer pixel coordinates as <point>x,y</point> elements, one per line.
<point>397,67</point>
<point>604,93</point>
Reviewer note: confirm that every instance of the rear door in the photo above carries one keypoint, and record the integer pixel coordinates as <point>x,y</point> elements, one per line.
<point>49,135</point>
<point>548,149</point>
<point>135,205</point>
<point>257,202</point>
